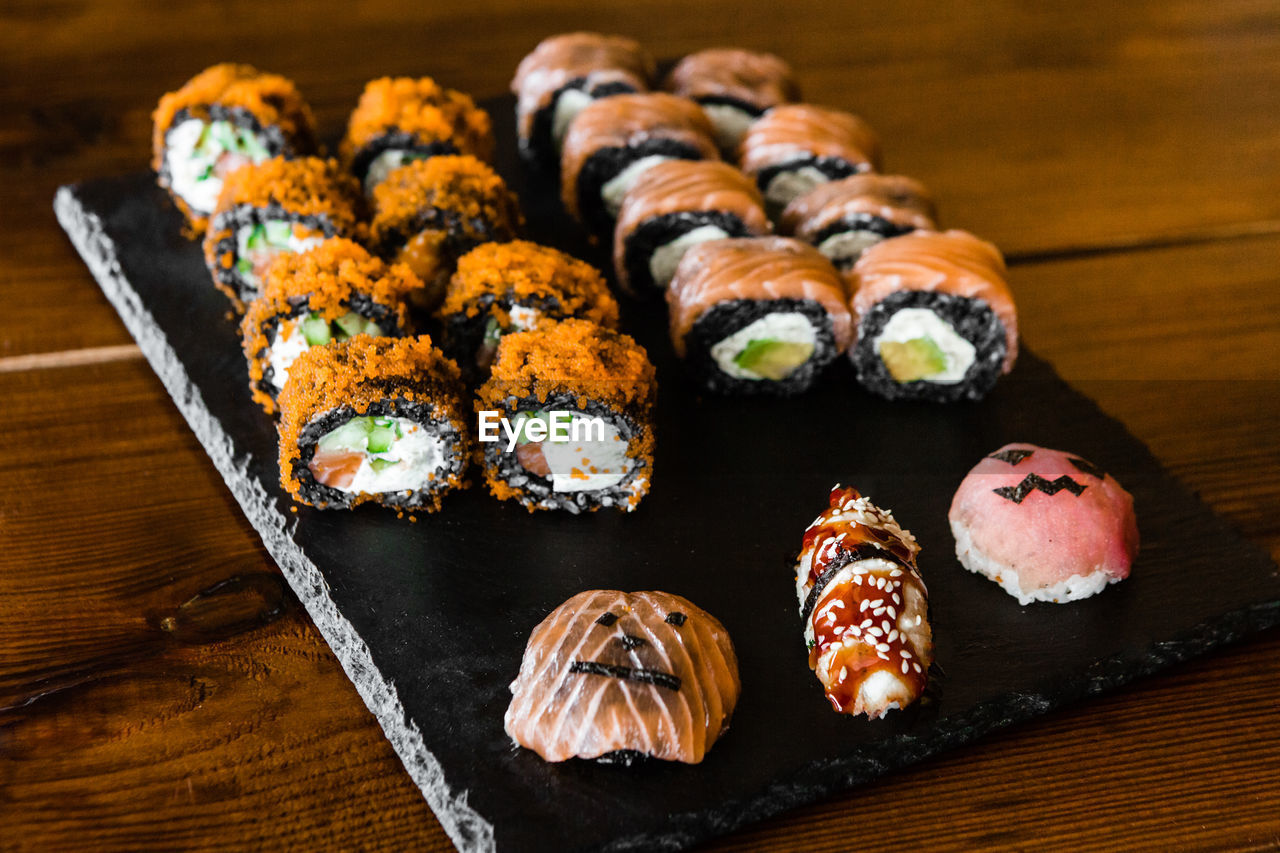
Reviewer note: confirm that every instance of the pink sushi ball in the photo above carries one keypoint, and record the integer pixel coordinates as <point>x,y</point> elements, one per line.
<point>1044,524</point>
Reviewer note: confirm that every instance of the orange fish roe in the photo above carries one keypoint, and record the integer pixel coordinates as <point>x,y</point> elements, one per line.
<point>525,272</point>
<point>310,189</point>
<point>421,109</point>
<point>326,280</point>
<point>273,100</point>
<point>578,358</point>
<point>389,375</point>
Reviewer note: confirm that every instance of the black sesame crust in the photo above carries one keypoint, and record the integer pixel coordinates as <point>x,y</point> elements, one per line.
<point>606,163</point>
<point>271,136</point>
<point>426,414</point>
<point>734,314</point>
<point>972,319</point>
<point>460,231</point>
<point>361,303</point>
<point>834,168</point>
<point>860,222</point>
<point>463,335</point>
<point>657,231</point>
<point>540,148</point>
<point>400,141</point>
<point>243,215</point>
<point>536,491</point>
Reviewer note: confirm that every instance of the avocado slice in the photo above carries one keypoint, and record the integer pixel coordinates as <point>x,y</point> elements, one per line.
<point>521,419</point>
<point>913,360</point>
<point>381,438</point>
<point>316,330</point>
<point>773,359</point>
<point>353,435</point>
<point>257,238</point>
<point>348,325</point>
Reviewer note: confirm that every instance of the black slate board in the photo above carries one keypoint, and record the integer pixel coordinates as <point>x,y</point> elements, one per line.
<point>430,619</point>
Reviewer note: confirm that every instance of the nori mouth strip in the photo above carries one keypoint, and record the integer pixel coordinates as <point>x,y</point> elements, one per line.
<point>1034,482</point>
<point>655,677</point>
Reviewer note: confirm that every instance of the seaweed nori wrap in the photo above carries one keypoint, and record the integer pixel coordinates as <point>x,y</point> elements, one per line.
<point>501,288</point>
<point>428,213</point>
<point>402,119</point>
<point>604,384</point>
<point>277,207</point>
<point>225,117</point>
<point>330,293</point>
<point>373,420</point>
<point>935,318</point>
<point>757,315</point>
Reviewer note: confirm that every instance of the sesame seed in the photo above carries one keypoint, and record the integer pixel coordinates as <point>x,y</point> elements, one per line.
<point>904,667</point>
<point>882,647</point>
<point>916,667</point>
<point>864,606</point>
<point>897,599</point>
<point>844,673</point>
<point>893,635</point>
<point>882,656</point>
<point>906,654</point>
<point>877,611</point>
<point>865,623</point>
<point>893,573</point>
<point>886,625</point>
<point>893,614</point>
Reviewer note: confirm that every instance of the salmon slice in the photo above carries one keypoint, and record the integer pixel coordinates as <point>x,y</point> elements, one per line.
<point>532,458</point>
<point>336,469</point>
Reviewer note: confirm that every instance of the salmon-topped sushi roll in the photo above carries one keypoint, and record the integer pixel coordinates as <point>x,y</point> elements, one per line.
<point>225,117</point>
<point>734,86</point>
<point>864,607</point>
<point>428,213</point>
<point>673,207</point>
<point>935,317</point>
<point>617,676</point>
<point>403,118</point>
<point>614,140</point>
<point>757,315</point>
<point>278,207</point>
<point>575,402</point>
<point>563,74</point>
<point>794,147</point>
<point>843,218</point>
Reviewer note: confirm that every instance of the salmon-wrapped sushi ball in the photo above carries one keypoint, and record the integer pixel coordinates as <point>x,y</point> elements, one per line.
<point>277,207</point>
<point>616,676</point>
<point>734,86</point>
<point>331,293</point>
<point>373,420</point>
<point>794,147</point>
<point>577,402</point>
<point>500,288</point>
<point>428,213</point>
<point>562,75</point>
<point>673,207</point>
<point>402,119</point>
<point>225,117</point>
<point>864,606</point>
<point>844,218</point>
<point>757,315</point>
<point>614,140</point>
<point>935,317</point>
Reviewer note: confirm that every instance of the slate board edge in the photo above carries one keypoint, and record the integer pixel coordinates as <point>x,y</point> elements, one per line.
<point>466,828</point>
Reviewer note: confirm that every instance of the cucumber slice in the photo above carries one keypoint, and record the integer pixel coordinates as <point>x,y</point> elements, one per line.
<point>316,330</point>
<point>222,136</point>
<point>349,325</point>
<point>278,233</point>
<point>247,143</point>
<point>381,438</point>
<point>913,360</point>
<point>520,423</point>
<point>372,329</point>
<point>244,266</point>
<point>353,435</point>
<point>773,359</point>
<point>383,464</point>
<point>257,238</point>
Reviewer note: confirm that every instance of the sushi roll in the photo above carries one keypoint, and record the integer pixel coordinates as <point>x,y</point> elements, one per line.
<point>500,288</point>
<point>402,119</point>
<point>331,293</point>
<point>757,315</point>
<point>562,75</point>
<point>428,213</point>
<point>577,400</point>
<point>864,607</point>
<point>734,87</point>
<point>794,147</point>
<point>935,318</point>
<point>618,676</point>
<point>223,118</point>
<point>1044,524</point>
<point>373,419</point>
<point>278,207</point>
<point>614,140</point>
<point>845,217</point>
<point>676,205</point>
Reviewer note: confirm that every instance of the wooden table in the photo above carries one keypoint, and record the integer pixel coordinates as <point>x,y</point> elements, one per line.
<point>1125,155</point>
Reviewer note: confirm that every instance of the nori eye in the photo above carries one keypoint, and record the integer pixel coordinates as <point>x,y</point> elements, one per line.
<point>676,618</point>
<point>1087,467</point>
<point>1013,456</point>
<point>606,619</point>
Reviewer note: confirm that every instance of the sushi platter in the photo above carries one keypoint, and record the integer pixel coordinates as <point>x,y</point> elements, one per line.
<point>429,613</point>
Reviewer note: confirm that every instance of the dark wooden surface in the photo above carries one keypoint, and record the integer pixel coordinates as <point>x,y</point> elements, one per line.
<point>160,688</point>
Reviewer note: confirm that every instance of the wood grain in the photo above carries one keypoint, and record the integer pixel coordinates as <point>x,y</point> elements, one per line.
<point>161,689</point>
<point>1044,128</point>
